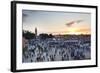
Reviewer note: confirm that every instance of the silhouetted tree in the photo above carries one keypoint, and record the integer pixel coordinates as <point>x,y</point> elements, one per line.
<point>50,36</point>
<point>43,36</point>
<point>28,35</point>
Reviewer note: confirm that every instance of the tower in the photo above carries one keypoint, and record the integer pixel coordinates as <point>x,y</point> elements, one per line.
<point>35,32</point>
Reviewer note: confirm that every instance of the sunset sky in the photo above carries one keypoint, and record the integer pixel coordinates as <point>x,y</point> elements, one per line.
<point>56,22</point>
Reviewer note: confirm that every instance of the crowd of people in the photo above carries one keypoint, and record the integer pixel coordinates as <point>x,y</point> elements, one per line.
<point>55,49</point>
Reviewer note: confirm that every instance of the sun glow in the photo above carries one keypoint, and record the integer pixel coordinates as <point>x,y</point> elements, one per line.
<point>78,31</point>
<point>72,31</point>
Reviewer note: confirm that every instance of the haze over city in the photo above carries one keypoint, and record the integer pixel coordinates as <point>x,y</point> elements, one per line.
<point>53,22</point>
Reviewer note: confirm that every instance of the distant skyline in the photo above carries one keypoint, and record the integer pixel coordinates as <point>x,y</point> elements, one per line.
<point>53,22</point>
